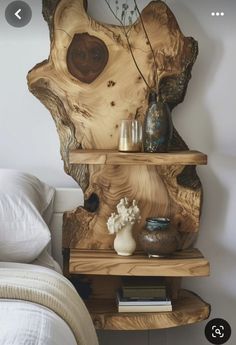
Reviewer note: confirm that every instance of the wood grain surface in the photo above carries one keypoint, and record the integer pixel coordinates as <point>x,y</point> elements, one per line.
<point>188,263</point>
<point>89,83</point>
<point>187,309</point>
<point>110,157</point>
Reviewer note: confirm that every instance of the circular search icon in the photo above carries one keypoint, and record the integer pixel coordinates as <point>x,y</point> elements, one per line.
<point>217,331</point>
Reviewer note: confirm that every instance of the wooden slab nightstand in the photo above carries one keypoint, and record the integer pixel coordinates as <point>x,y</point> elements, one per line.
<point>104,268</point>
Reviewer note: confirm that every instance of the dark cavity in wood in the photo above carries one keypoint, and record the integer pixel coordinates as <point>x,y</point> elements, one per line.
<point>87,57</point>
<point>92,203</point>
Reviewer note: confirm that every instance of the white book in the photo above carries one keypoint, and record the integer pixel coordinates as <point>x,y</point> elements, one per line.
<point>145,302</point>
<point>144,308</point>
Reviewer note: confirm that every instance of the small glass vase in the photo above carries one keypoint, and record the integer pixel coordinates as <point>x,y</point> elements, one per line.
<point>124,243</point>
<point>158,237</point>
<point>130,136</point>
<point>158,127</point>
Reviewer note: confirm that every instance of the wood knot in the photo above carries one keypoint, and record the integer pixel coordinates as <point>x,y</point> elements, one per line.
<point>87,57</point>
<point>111,83</point>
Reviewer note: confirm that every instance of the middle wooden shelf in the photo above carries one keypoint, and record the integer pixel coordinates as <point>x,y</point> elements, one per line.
<point>184,263</point>
<point>112,157</point>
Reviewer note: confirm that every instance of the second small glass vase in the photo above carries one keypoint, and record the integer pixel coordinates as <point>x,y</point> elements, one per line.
<point>158,127</point>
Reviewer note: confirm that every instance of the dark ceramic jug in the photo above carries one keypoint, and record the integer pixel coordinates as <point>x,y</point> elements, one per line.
<point>158,238</point>
<point>158,127</point>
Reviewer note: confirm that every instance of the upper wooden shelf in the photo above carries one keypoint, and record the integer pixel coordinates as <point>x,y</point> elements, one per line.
<point>185,263</point>
<point>110,157</point>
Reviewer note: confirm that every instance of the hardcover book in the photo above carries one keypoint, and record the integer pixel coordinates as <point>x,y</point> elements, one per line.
<point>148,305</point>
<point>137,301</point>
<point>144,293</point>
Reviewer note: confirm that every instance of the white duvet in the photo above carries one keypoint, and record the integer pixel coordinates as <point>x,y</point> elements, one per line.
<point>23,322</point>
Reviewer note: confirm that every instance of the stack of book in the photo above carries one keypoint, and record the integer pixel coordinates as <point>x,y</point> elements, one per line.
<point>139,294</point>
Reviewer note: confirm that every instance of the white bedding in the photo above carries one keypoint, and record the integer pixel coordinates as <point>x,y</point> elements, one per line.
<point>26,323</point>
<point>46,260</point>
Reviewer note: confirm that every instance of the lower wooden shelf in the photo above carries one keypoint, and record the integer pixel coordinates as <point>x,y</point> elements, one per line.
<point>187,309</point>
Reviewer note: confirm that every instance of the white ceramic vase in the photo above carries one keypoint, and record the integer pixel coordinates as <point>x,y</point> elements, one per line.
<point>124,243</point>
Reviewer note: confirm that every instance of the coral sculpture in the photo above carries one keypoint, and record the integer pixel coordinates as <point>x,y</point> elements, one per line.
<point>127,214</point>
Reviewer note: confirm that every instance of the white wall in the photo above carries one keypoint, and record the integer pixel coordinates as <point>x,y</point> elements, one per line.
<point>206,120</point>
<point>28,137</point>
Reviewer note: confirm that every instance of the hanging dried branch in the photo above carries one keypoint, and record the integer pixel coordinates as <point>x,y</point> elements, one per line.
<point>123,16</point>
<point>122,20</point>
<point>147,37</point>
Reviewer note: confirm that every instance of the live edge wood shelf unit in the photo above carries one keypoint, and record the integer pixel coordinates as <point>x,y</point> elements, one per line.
<point>104,267</point>
<point>90,84</point>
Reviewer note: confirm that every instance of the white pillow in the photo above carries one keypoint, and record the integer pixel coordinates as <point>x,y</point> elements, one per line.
<point>25,206</point>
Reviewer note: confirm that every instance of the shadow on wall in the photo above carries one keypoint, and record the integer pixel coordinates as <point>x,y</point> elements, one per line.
<point>132,337</point>
<point>197,128</point>
<point>123,337</point>
<point>193,118</point>
<point>217,289</point>
<point>214,289</point>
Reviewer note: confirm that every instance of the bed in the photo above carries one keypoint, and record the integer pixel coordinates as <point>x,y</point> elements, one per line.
<point>37,304</point>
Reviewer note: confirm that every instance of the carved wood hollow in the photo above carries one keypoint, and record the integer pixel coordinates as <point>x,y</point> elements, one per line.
<point>87,57</point>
